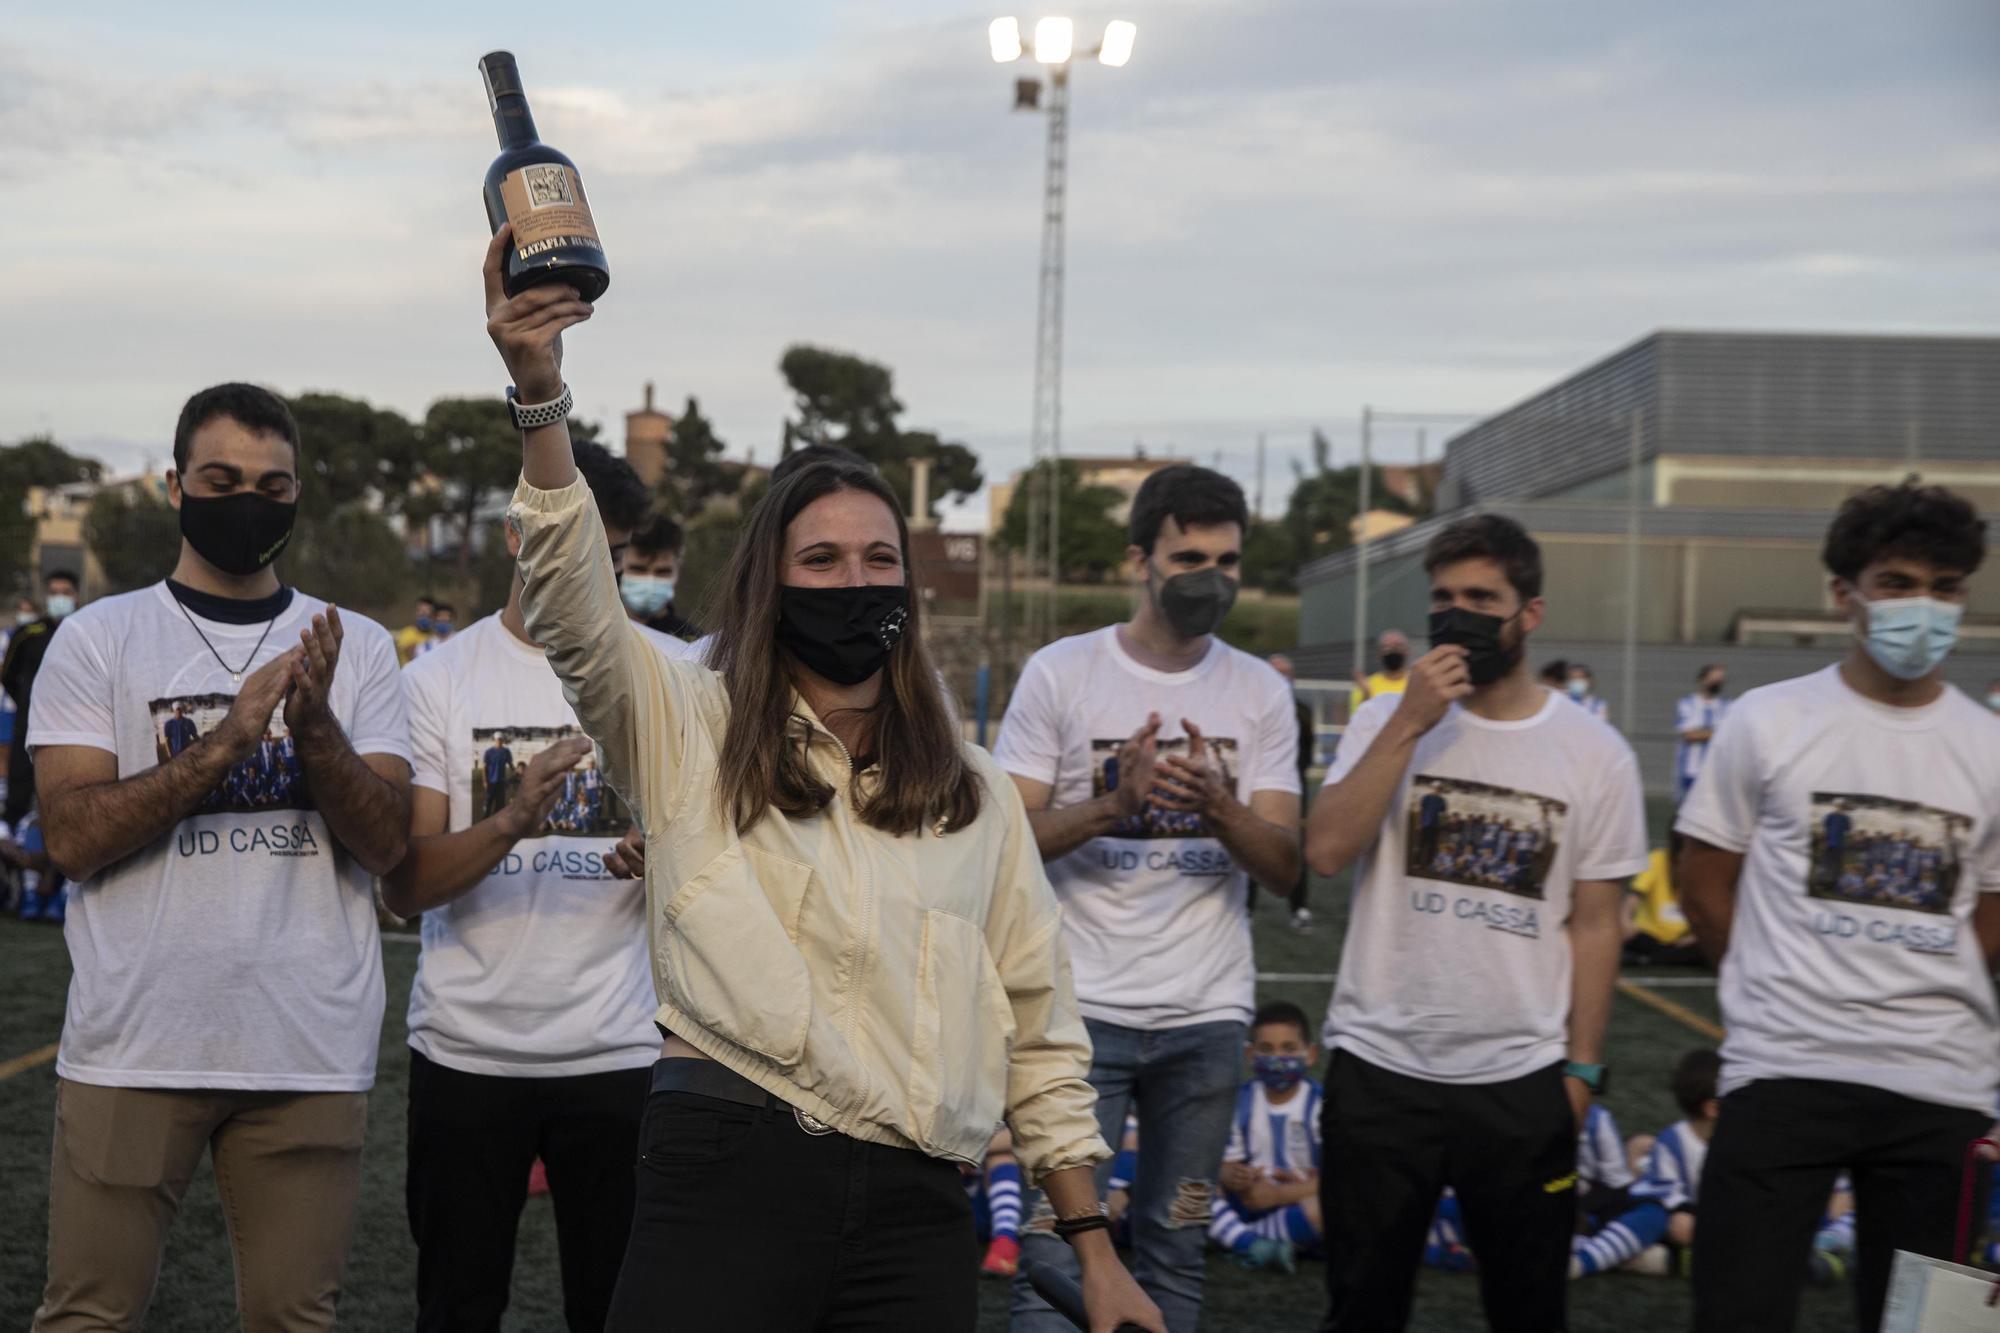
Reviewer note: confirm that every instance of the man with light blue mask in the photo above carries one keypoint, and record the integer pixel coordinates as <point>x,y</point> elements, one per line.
<point>1841,863</point>
<point>652,569</point>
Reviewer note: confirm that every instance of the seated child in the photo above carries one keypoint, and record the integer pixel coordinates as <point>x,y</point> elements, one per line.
<point>1269,1207</point>
<point>1657,1226</point>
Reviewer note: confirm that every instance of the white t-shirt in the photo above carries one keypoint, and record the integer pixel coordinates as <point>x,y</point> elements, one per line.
<point>1457,962</point>
<point>1868,833</point>
<point>1154,914</point>
<point>239,950</point>
<point>543,970</point>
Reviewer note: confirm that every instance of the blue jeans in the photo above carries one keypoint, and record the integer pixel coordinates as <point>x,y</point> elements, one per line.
<point>1182,1082</point>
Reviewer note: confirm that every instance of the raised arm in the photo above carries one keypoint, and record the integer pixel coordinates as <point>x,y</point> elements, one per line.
<point>622,689</point>
<point>1347,815</point>
<point>91,818</point>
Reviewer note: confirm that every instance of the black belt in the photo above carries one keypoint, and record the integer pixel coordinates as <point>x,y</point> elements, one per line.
<point>709,1078</point>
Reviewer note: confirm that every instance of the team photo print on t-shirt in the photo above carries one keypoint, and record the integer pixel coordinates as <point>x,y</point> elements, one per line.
<point>1483,836</point>
<point>1153,821</point>
<point>586,807</point>
<point>270,779</point>
<point>1880,852</point>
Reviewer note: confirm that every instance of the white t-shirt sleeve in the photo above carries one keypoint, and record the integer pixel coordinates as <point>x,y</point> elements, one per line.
<point>381,722</point>
<point>73,693</point>
<point>1277,744</point>
<point>427,695</point>
<point>1030,744</point>
<point>1615,844</point>
<point>1687,715</point>
<point>1721,810</point>
<point>1362,729</point>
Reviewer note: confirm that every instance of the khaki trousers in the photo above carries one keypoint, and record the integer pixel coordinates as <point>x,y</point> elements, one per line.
<point>287,1165</point>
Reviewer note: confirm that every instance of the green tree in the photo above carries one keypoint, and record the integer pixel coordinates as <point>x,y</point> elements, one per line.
<point>471,447</point>
<point>1269,561</point>
<point>695,474</point>
<point>847,400</point>
<point>350,449</point>
<point>1326,501</point>
<point>35,461</point>
<point>351,556</point>
<point>1092,542</point>
<point>135,535</point>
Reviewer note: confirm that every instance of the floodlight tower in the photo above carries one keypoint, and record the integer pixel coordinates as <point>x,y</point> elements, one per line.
<point>1055,46</point>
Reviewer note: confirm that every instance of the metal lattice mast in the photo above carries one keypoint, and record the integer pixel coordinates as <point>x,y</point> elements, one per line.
<point>1045,446</point>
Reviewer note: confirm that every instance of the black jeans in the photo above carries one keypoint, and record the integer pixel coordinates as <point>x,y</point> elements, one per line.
<point>1771,1164</point>
<point>1392,1144</point>
<point>748,1220</point>
<point>473,1138</point>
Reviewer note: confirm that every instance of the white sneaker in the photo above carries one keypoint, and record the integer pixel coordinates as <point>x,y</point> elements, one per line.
<point>1654,1261</point>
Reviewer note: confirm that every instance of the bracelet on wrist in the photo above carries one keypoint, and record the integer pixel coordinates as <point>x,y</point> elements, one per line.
<point>1068,1228</point>
<point>529,416</point>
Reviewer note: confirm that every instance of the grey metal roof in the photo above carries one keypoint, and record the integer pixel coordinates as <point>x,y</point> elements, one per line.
<point>1749,394</point>
<point>1576,517</point>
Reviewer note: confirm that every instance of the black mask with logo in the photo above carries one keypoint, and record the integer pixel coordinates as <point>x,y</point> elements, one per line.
<point>1487,659</point>
<point>844,634</point>
<point>239,534</point>
<point>1195,603</point>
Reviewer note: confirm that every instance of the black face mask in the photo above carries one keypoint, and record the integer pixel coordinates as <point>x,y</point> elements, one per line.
<point>844,634</point>
<point>238,534</point>
<point>1393,661</point>
<point>1486,659</point>
<point>1713,689</point>
<point>1194,604</point>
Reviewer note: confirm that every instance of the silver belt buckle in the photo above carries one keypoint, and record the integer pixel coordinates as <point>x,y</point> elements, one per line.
<point>811,1124</point>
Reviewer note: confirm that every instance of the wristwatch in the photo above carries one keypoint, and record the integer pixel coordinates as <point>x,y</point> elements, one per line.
<point>1595,1077</point>
<point>527,416</point>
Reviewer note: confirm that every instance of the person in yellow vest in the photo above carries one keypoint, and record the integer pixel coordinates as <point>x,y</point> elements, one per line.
<point>1392,650</point>
<point>419,632</point>
<point>1656,930</point>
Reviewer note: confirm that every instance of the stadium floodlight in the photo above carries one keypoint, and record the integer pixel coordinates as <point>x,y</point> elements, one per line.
<point>1055,40</point>
<point>1004,36</point>
<point>1116,47</point>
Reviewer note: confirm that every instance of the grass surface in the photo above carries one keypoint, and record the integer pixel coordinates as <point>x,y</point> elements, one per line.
<point>196,1290</point>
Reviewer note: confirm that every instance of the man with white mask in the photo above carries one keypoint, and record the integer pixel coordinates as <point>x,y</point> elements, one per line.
<point>1841,864</point>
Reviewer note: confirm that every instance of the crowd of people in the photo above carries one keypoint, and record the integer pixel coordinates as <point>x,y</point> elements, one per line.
<point>710,925</point>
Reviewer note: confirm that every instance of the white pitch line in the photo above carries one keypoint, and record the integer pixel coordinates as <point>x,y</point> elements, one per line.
<point>400,937</point>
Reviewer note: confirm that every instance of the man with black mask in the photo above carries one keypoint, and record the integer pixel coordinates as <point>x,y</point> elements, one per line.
<point>1491,826</point>
<point>227,992</point>
<point>1159,768</point>
<point>26,649</point>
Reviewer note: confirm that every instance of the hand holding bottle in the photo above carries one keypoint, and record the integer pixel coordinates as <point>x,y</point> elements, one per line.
<point>528,328</point>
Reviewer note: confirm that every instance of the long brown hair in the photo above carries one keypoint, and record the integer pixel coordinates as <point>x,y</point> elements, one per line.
<point>923,776</point>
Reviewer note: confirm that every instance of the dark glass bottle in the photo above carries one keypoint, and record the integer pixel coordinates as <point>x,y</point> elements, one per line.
<point>537,189</point>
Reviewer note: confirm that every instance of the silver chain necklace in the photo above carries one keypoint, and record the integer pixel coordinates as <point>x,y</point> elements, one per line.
<point>235,673</point>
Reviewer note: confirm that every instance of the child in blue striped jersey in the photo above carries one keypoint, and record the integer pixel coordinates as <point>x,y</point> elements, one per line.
<point>1269,1209</point>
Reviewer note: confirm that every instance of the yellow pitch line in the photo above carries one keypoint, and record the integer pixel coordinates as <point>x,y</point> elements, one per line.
<point>22,1063</point>
<point>1653,999</point>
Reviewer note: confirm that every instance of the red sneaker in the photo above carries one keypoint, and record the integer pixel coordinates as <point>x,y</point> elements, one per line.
<point>538,1179</point>
<point>1003,1257</point>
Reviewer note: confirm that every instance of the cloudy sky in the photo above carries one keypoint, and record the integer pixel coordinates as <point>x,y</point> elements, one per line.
<point>1279,211</point>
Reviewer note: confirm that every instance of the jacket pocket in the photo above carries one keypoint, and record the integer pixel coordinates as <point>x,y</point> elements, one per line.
<point>729,962</point>
<point>964,1030</point>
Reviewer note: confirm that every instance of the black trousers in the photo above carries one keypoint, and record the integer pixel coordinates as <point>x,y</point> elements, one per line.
<point>748,1221</point>
<point>1771,1164</point>
<point>1391,1145</point>
<point>473,1138</point>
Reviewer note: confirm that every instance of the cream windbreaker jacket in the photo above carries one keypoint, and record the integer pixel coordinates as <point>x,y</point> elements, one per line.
<point>904,990</point>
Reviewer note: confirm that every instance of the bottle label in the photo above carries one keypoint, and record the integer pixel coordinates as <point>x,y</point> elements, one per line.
<point>545,203</point>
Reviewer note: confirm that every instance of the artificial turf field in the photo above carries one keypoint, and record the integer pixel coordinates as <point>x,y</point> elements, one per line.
<point>196,1290</point>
